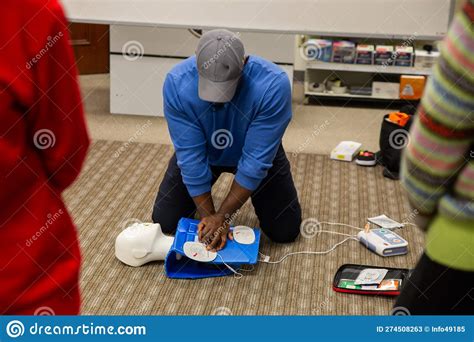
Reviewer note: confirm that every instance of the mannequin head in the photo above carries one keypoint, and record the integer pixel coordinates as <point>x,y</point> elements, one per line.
<point>141,243</point>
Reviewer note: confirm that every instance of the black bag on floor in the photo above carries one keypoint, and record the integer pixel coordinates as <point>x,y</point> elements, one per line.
<point>393,140</point>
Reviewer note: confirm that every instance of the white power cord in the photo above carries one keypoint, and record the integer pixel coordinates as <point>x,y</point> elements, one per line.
<point>341,224</point>
<point>335,233</point>
<point>359,228</point>
<point>266,260</point>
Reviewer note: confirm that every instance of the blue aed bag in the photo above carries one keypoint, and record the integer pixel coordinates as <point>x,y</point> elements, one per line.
<point>234,254</point>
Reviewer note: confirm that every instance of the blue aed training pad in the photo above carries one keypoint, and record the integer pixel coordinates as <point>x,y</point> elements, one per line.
<point>234,254</point>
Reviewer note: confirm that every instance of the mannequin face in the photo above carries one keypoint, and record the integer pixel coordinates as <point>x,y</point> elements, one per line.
<point>142,234</point>
<point>141,243</point>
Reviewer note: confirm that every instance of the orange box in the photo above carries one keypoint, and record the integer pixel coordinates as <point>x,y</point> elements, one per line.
<point>411,87</point>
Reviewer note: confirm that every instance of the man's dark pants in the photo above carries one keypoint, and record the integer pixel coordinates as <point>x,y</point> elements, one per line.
<point>275,200</point>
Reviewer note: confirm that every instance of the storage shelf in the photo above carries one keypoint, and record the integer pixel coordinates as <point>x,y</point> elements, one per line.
<point>318,65</point>
<point>368,97</point>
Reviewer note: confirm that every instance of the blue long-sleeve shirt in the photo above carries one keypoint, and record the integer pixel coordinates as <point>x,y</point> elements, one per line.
<point>244,133</point>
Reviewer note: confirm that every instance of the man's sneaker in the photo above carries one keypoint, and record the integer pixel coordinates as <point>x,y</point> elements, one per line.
<point>366,158</point>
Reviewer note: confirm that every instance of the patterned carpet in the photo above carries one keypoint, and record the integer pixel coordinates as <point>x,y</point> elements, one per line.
<point>118,186</point>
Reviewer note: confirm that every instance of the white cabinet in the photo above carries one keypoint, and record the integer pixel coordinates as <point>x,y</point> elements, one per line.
<point>156,41</point>
<point>136,85</point>
<point>278,48</point>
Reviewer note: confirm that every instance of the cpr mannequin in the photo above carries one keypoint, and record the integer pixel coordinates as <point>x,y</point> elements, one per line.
<point>141,243</point>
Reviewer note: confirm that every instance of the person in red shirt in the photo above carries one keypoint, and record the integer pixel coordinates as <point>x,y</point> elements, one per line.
<point>43,143</point>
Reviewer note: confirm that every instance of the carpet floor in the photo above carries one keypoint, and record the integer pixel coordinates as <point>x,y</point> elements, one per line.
<point>118,186</point>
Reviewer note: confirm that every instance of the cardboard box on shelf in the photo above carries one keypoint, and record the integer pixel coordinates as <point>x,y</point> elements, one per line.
<point>383,55</point>
<point>411,87</point>
<point>404,56</point>
<point>386,90</point>
<point>365,54</point>
<point>343,51</point>
<point>425,59</point>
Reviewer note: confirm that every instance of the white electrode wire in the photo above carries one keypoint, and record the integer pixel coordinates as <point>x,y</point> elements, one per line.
<point>247,269</point>
<point>309,252</point>
<point>359,228</point>
<point>335,233</point>
<point>349,237</point>
<point>341,224</point>
<point>237,274</point>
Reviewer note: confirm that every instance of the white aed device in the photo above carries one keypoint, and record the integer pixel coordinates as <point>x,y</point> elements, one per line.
<point>384,242</point>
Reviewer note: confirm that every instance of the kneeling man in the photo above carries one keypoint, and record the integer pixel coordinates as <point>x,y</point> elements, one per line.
<point>227,112</point>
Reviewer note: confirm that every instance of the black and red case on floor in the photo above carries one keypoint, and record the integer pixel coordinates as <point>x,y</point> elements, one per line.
<point>352,271</point>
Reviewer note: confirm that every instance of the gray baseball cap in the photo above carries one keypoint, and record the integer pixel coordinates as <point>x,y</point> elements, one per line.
<point>220,60</point>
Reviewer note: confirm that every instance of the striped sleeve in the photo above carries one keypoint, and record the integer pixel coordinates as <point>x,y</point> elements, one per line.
<point>443,131</point>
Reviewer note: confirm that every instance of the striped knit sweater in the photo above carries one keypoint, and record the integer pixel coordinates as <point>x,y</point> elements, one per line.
<point>438,164</point>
